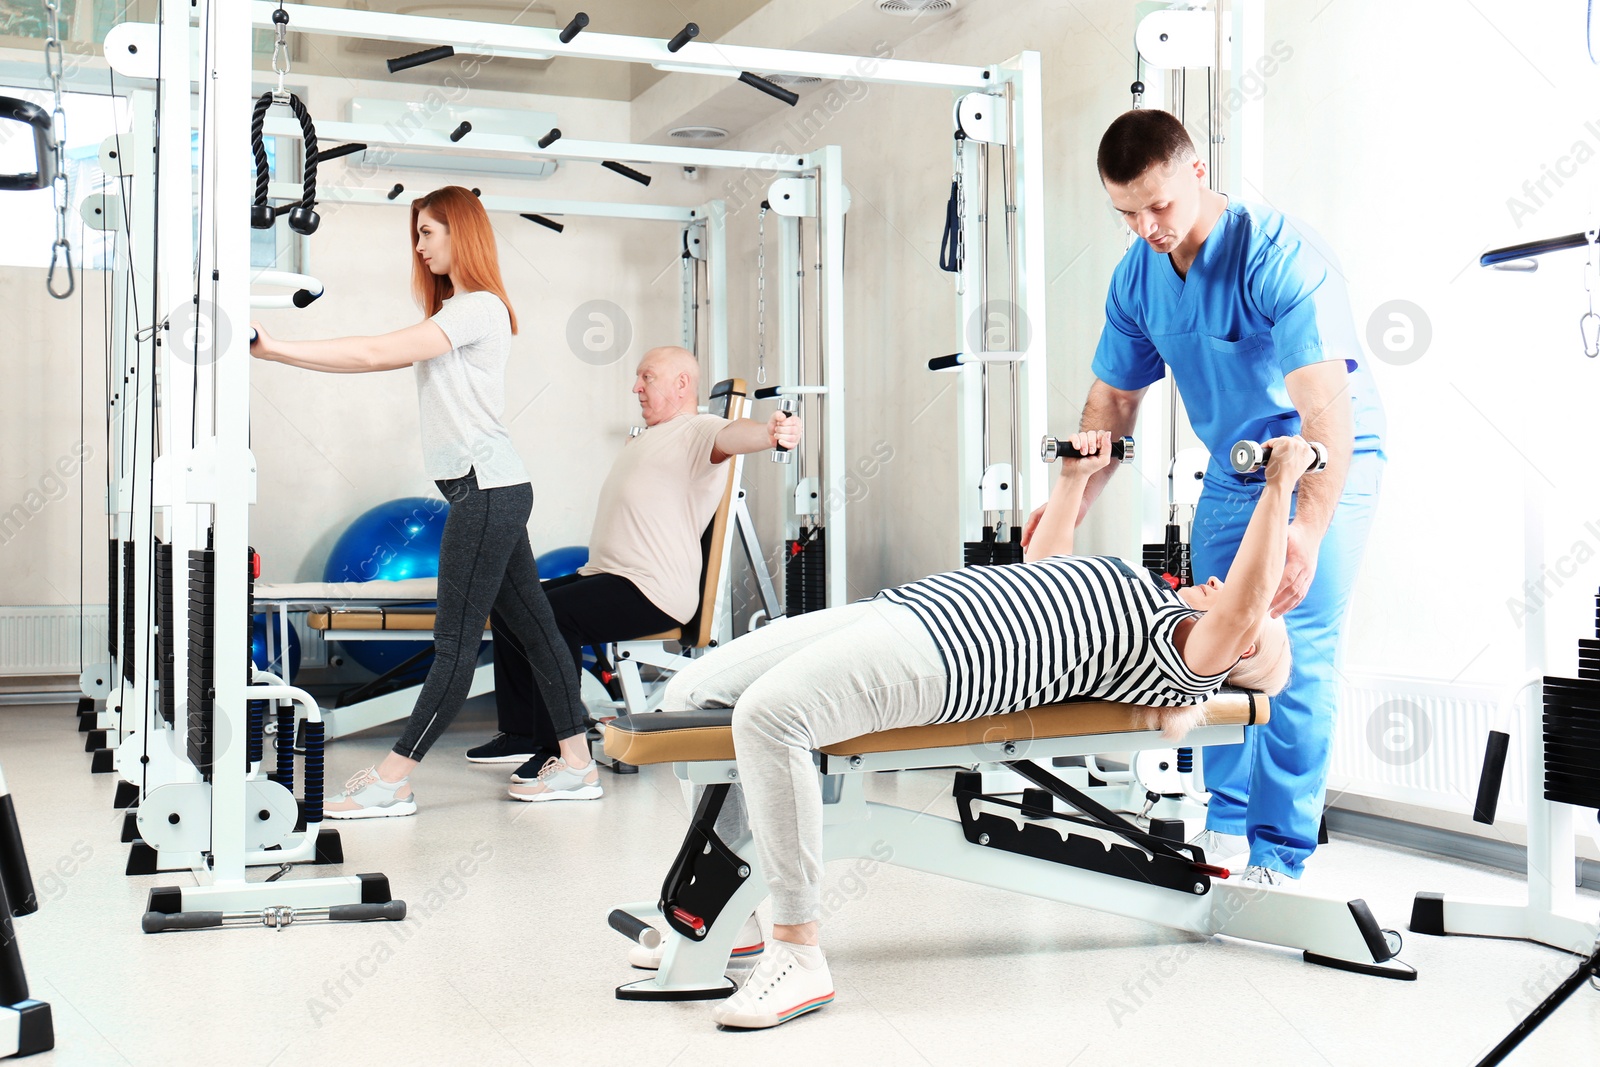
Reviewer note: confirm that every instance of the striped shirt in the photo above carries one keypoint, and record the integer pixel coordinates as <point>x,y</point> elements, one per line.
<point>1058,629</point>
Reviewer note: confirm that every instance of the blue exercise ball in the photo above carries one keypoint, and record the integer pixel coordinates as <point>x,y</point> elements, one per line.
<point>560,562</point>
<point>395,540</point>
<point>258,647</point>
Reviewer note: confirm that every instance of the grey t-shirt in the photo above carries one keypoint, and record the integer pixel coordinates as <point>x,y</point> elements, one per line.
<point>462,395</point>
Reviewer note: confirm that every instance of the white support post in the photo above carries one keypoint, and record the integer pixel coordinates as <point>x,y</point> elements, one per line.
<point>831,206</point>
<point>1027,140</point>
<point>688,266</point>
<point>225,143</point>
<point>784,328</point>
<point>970,415</point>
<point>139,394</point>
<point>715,298</point>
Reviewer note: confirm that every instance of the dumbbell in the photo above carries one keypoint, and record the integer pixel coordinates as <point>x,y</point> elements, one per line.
<point>1250,456</point>
<point>1053,448</point>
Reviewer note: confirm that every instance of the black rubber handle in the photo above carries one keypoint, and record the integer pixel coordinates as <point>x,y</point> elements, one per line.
<point>777,92</point>
<point>1052,448</point>
<point>627,172</point>
<point>575,27</point>
<point>417,59</point>
<point>460,132</point>
<point>780,454</point>
<point>1494,769</point>
<point>43,145</point>
<point>396,191</point>
<point>392,910</point>
<point>343,150</point>
<point>633,928</point>
<point>155,922</point>
<point>945,362</point>
<point>683,37</point>
<point>542,221</point>
<point>766,393</point>
<point>550,138</point>
<point>304,298</point>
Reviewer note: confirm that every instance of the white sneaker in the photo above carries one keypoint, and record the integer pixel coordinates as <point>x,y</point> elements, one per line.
<point>784,985</point>
<point>366,796</point>
<point>1265,876</point>
<point>557,781</point>
<point>747,945</point>
<point>1224,850</point>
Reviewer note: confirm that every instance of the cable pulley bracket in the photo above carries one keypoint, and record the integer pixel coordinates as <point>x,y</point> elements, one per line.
<point>982,117</point>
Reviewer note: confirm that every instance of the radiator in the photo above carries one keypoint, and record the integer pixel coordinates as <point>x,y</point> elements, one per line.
<point>46,640</point>
<point>1417,741</point>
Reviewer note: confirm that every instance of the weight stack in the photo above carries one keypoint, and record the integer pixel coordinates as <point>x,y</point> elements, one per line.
<point>164,633</point>
<point>113,602</point>
<point>127,611</point>
<point>805,572</point>
<point>202,650</point>
<point>1572,741</point>
<point>990,552</point>
<point>1171,557</point>
<point>1589,659</point>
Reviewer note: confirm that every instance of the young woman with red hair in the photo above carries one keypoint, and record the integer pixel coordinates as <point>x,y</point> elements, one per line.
<point>485,561</point>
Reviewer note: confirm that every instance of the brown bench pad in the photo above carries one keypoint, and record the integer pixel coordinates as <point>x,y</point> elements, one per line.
<point>374,619</point>
<point>691,736</point>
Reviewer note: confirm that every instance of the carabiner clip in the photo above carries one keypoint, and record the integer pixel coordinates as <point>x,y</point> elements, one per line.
<point>50,279</point>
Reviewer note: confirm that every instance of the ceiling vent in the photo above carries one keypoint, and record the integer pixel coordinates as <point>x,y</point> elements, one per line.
<point>916,8</point>
<point>698,133</point>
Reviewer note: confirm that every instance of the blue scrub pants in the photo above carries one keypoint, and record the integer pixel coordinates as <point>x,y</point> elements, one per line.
<point>1270,788</point>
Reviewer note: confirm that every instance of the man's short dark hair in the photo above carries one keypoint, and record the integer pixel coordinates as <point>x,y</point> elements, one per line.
<point>1140,139</point>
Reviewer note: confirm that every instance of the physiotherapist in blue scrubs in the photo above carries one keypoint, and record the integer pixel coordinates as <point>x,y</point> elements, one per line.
<point>1249,309</point>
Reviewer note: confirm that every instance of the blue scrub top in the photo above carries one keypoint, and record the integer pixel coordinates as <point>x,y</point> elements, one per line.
<point>1263,298</point>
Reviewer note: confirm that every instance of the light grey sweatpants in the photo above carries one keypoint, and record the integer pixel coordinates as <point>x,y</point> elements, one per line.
<point>796,685</point>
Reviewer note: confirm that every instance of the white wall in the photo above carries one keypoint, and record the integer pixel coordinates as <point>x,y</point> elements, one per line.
<point>1398,130</point>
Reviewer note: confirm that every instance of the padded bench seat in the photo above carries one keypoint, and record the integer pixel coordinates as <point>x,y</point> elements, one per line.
<point>413,619</point>
<point>695,736</point>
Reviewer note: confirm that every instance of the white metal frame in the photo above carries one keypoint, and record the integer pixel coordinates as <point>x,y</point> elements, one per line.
<point>855,828</point>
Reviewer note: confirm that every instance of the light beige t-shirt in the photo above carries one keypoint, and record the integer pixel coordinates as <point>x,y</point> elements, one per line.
<point>654,506</point>
<point>462,395</point>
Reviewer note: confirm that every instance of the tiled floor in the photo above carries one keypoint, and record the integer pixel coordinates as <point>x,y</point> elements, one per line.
<point>514,964</point>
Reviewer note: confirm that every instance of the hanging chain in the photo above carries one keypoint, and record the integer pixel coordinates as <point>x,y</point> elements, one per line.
<point>62,249</point>
<point>1589,324</point>
<point>761,298</point>
<point>280,53</point>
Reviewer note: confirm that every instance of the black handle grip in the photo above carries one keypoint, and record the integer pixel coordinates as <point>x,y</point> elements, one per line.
<point>154,922</point>
<point>392,910</point>
<point>945,362</point>
<point>43,145</point>
<point>766,392</point>
<point>627,172</point>
<point>777,92</point>
<point>550,138</point>
<point>633,928</point>
<point>1494,769</point>
<point>460,132</point>
<point>396,191</point>
<point>417,59</point>
<point>683,37</point>
<point>542,221</point>
<point>579,21</point>
<point>342,150</point>
<point>1053,448</point>
<point>780,454</point>
<point>304,298</point>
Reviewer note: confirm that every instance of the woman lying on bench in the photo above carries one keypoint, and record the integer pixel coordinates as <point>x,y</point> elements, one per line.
<point>956,646</point>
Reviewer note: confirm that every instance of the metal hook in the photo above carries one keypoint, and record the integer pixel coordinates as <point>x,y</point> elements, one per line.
<point>50,279</point>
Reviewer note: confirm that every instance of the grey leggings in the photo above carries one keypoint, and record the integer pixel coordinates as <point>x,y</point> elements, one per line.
<point>486,563</point>
<point>796,685</point>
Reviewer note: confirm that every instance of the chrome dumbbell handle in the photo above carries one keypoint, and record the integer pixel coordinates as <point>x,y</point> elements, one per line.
<point>1250,456</point>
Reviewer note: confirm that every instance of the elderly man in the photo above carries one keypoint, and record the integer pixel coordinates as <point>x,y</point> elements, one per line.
<point>643,574</point>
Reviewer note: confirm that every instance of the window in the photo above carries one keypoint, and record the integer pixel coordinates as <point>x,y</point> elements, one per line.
<point>30,218</point>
